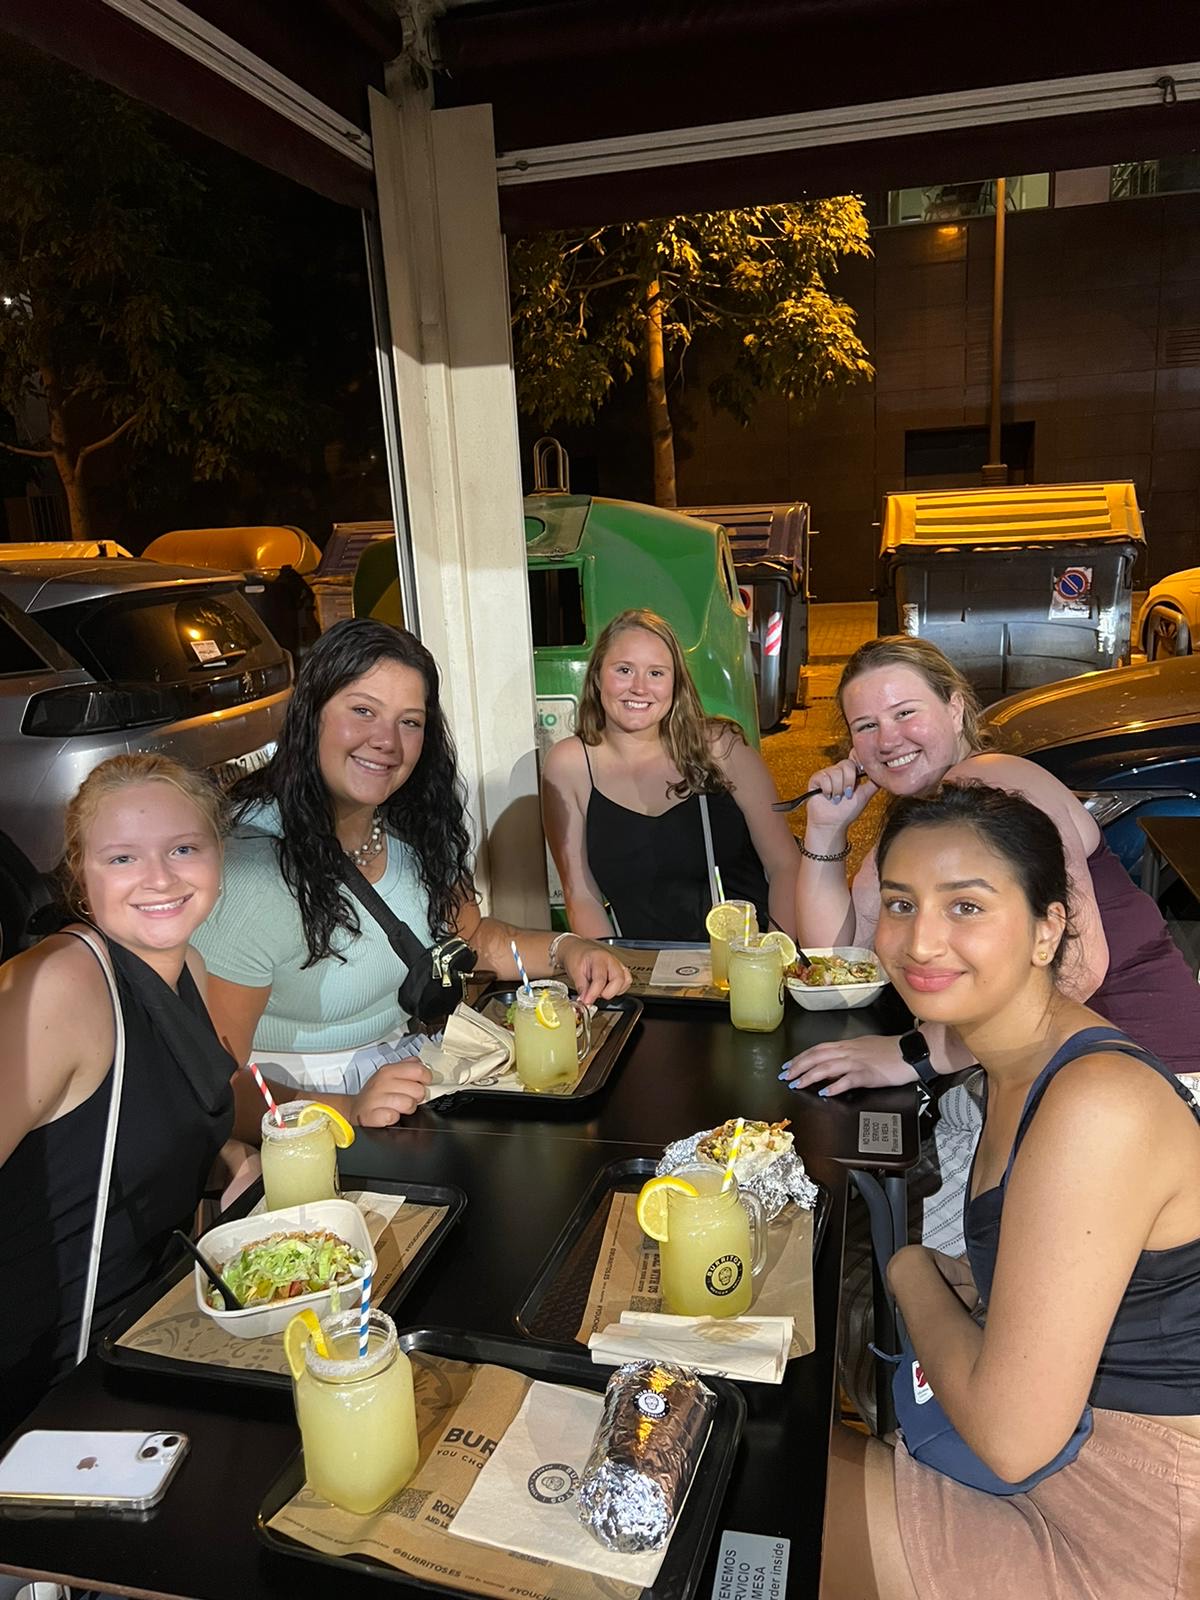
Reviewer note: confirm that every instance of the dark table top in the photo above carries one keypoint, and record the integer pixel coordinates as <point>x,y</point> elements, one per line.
<point>524,1175</point>
<point>688,1068</point>
<point>1177,840</point>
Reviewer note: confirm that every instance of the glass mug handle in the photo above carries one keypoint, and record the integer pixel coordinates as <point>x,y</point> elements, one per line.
<point>583,1032</point>
<point>758,1231</point>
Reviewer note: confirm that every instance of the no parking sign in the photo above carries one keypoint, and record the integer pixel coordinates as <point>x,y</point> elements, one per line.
<point>1071,595</point>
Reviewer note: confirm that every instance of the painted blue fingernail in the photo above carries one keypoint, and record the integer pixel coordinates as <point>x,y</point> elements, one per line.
<point>783,1074</point>
<point>822,1093</point>
<point>837,799</point>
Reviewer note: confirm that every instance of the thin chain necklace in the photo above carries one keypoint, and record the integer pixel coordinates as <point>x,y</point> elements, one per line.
<point>367,852</point>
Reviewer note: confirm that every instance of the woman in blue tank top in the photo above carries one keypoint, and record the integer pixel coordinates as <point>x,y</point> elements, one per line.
<point>635,805</point>
<point>1079,1299</point>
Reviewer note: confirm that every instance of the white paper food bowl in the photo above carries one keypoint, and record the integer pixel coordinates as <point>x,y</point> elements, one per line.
<point>842,996</point>
<point>222,1243</point>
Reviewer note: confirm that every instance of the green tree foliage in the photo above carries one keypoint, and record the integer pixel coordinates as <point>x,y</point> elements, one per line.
<point>126,305</point>
<point>588,310</point>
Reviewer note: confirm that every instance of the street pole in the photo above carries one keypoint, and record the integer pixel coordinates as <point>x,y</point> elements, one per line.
<point>995,471</point>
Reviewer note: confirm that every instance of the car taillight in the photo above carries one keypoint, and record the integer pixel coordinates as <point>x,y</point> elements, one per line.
<point>96,708</point>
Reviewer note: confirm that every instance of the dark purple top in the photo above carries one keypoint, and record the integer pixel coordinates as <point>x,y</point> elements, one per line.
<point>1149,991</point>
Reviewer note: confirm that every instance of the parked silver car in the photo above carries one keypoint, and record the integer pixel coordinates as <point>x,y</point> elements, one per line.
<point>98,657</point>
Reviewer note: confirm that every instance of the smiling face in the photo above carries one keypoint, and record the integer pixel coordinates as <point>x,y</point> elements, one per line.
<point>956,931</point>
<point>637,681</point>
<point>151,870</point>
<point>372,732</point>
<point>905,736</point>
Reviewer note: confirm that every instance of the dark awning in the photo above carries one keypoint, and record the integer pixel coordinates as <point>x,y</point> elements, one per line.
<point>564,72</point>
<point>585,70</point>
<point>323,54</point>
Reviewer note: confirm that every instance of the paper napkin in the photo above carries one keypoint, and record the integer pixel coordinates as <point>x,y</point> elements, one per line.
<point>754,1349</point>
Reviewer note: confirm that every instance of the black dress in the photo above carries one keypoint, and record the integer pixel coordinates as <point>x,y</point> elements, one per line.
<point>176,1112</point>
<point>653,871</point>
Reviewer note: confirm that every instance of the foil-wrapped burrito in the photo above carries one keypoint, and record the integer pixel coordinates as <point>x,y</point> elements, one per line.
<point>655,1422</point>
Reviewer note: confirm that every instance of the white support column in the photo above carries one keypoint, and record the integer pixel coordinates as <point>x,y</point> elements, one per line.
<point>447,293</point>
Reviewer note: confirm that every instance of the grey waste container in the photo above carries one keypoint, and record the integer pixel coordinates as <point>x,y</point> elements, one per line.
<point>1019,585</point>
<point>770,545</point>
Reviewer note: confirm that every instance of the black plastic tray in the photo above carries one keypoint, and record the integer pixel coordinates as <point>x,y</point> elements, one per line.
<point>669,997</point>
<point>686,1553</point>
<point>553,1308</point>
<point>594,1078</point>
<point>117,1355</point>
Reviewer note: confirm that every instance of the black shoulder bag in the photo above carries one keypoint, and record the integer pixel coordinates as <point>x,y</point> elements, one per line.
<point>433,985</point>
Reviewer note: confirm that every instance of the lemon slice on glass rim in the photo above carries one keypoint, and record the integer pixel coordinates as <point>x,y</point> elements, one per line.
<point>778,940</point>
<point>727,921</point>
<point>545,1013</point>
<point>652,1203</point>
<point>303,1327</point>
<point>343,1133</point>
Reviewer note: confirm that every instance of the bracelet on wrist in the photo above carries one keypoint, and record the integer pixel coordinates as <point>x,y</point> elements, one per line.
<point>814,855</point>
<point>552,955</point>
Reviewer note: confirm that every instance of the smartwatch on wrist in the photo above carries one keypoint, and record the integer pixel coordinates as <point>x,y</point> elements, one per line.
<point>915,1050</point>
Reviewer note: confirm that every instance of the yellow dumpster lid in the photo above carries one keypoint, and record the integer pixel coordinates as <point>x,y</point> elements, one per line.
<point>237,549</point>
<point>1027,513</point>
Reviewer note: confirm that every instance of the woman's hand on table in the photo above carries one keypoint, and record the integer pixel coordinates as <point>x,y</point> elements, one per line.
<point>867,1062</point>
<point>593,971</point>
<point>394,1091</point>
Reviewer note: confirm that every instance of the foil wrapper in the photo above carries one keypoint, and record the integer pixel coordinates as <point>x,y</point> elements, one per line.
<point>784,1182</point>
<point>655,1422</point>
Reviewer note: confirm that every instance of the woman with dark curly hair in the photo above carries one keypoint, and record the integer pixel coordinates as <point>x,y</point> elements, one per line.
<point>635,804</point>
<point>300,972</point>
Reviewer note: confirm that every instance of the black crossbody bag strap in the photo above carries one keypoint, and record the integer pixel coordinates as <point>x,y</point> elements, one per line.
<point>400,936</point>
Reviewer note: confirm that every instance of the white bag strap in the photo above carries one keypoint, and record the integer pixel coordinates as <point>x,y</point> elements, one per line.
<point>110,1142</point>
<point>708,851</point>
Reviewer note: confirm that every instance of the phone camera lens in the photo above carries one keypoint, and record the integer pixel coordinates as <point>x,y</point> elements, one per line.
<point>171,1440</point>
<point>148,1451</point>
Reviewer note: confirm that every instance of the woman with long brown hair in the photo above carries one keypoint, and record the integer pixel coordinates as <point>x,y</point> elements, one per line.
<point>630,802</point>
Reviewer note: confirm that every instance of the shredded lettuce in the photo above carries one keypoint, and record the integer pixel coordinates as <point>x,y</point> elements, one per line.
<point>286,1265</point>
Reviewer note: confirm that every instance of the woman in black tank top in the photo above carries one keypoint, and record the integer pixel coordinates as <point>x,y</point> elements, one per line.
<point>144,864</point>
<point>629,802</point>
<point>1064,1349</point>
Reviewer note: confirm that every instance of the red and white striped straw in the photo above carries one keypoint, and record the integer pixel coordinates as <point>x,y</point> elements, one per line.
<point>272,1108</point>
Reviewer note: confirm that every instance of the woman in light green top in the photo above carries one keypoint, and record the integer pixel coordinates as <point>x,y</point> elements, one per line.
<point>300,975</point>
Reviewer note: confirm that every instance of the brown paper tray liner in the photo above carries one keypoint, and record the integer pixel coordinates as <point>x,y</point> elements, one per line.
<point>174,1327</point>
<point>626,1277</point>
<point>463,1410</point>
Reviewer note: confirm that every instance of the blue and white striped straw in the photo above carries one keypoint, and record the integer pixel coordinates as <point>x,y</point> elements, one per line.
<point>364,1314</point>
<point>512,945</point>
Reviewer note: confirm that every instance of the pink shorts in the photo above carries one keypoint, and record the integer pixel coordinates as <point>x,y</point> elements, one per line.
<point>1121,1522</point>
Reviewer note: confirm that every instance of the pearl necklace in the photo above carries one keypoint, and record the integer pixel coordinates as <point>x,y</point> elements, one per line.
<point>374,844</point>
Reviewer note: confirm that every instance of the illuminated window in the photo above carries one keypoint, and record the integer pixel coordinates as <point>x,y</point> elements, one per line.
<point>949,202</point>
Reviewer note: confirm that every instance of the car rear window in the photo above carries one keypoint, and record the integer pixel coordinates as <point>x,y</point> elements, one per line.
<point>163,637</point>
<point>17,656</point>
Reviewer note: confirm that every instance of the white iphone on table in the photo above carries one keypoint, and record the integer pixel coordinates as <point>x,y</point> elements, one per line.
<point>127,1470</point>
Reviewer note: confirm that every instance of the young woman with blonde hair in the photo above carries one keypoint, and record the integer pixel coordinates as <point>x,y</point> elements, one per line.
<point>625,800</point>
<point>142,870</point>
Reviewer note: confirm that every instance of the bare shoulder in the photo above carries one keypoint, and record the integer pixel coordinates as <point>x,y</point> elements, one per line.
<point>1013,773</point>
<point>565,765</point>
<point>1108,1097</point>
<point>58,971</point>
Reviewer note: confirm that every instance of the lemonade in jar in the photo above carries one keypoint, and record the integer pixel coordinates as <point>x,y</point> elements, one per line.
<point>553,1035</point>
<point>357,1414</point>
<point>724,922</point>
<point>756,968</point>
<point>712,1241</point>
<point>299,1154</point>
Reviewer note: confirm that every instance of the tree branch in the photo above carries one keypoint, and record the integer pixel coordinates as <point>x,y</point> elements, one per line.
<point>102,444</point>
<point>16,450</point>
